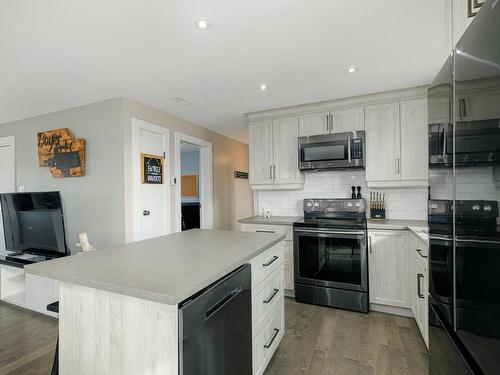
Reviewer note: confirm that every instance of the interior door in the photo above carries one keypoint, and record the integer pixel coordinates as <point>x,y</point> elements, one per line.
<point>261,152</point>
<point>7,176</point>
<point>153,203</point>
<point>382,142</point>
<point>285,151</point>
<point>313,124</point>
<point>347,120</point>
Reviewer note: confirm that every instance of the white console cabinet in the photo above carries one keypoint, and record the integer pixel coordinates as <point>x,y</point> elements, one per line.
<point>28,291</point>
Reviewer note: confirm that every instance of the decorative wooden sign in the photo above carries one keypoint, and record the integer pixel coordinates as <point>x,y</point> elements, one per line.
<point>152,169</point>
<point>62,153</point>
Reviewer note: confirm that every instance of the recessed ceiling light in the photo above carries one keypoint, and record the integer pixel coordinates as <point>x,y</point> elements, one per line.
<point>202,24</point>
<point>263,87</point>
<point>180,101</point>
<point>352,69</point>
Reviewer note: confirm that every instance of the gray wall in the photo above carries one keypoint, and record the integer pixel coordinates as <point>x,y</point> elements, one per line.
<point>93,203</point>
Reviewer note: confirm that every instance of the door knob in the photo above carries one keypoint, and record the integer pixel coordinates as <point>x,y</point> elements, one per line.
<point>146,213</point>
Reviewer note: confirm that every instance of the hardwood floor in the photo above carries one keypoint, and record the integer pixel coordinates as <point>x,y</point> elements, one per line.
<point>324,341</point>
<point>318,340</point>
<point>27,341</point>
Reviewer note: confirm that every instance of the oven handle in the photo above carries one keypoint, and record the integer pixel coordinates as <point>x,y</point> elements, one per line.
<point>358,232</point>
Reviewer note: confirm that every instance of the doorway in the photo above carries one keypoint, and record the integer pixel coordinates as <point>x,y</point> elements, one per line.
<point>193,171</point>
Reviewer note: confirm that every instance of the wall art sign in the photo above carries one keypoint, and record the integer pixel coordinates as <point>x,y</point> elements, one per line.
<point>62,153</point>
<point>474,6</point>
<point>152,169</point>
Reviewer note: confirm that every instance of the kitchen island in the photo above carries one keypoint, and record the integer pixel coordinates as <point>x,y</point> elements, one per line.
<point>119,307</point>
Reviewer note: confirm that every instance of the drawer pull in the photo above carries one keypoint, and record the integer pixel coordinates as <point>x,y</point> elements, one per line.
<point>419,251</point>
<point>274,258</point>
<point>276,331</point>
<point>264,231</point>
<point>269,299</point>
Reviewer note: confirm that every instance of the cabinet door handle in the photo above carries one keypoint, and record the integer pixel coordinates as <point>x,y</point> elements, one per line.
<point>331,122</point>
<point>349,148</point>
<point>370,243</point>
<point>270,172</point>
<point>419,251</point>
<point>398,162</point>
<point>268,345</point>
<point>328,122</point>
<point>419,291</point>
<point>269,299</point>
<point>265,231</point>
<point>273,259</point>
<point>274,172</point>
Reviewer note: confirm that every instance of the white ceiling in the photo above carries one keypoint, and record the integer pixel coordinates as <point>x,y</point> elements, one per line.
<point>59,54</point>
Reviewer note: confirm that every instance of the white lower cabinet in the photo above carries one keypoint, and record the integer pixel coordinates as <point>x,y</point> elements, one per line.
<point>268,306</point>
<point>388,268</point>
<point>420,285</point>
<point>288,276</point>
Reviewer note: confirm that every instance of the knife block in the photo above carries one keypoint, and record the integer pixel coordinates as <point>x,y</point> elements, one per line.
<point>377,213</point>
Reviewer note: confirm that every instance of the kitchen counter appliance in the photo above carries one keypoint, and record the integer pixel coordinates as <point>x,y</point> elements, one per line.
<point>332,151</point>
<point>215,328</point>
<point>330,254</point>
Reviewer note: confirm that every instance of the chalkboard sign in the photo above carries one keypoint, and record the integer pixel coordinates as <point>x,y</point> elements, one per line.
<point>152,169</point>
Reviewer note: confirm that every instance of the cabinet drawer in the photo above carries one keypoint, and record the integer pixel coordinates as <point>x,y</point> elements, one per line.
<point>265,297</point>
<point>266,342</point>
<point>268,228</point>
<point>265,263</point>
<point>288,252</point>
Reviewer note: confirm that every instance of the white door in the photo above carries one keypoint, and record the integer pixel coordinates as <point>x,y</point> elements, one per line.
<point>151,201</point>
<point>414,137</point>
<point>382,142</point>
<point>7,175</point>
<point>388,268</point>
<point>346,120</point>
<point>285,145</point>
<point>313,124</point>
<point>261,152</point>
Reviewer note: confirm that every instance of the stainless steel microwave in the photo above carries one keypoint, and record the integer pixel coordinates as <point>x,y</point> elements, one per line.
<point>332,151</point>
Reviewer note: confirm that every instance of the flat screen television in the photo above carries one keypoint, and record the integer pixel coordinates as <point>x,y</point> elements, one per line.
<point>34,223</point>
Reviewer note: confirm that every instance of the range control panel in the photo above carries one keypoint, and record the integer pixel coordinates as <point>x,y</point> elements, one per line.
<point>334,205</point>
<point>357,149</point>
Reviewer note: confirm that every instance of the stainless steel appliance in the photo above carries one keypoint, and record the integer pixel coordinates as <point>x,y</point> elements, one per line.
<point>476,143</point>
<point>215,328</point>
<point>464,253</point>
<point>330,254</point>
<point>332,151</point>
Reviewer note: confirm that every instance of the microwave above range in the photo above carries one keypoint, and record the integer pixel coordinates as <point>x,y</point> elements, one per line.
<point>332,151</point>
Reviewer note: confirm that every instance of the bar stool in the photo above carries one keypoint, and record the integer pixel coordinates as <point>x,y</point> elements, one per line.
<point>54,307</point>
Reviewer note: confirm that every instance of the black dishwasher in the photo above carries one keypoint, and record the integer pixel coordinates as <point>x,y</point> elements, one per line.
<point>215,328</point>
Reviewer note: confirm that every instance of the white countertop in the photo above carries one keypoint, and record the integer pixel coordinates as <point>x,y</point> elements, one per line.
<point>418,227</point>
<point>166,269</point>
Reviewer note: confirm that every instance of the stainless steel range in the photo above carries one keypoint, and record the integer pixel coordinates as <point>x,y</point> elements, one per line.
<point>330,254</point>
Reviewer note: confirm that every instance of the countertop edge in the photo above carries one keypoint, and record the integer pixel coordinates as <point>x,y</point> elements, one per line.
<point>261,220</point>
<point>167,299</point>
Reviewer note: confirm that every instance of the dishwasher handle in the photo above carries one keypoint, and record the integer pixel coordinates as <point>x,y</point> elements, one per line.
<point>224,301</point>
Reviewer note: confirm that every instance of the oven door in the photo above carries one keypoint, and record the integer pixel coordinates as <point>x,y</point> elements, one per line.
<point>441,283</point>
<point>331,258</point>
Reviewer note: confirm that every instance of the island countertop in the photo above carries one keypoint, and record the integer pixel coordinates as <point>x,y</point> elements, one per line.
<point>165,269</point>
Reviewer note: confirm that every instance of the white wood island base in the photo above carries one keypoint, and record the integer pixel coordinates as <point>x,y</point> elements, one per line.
<point>121,317</point>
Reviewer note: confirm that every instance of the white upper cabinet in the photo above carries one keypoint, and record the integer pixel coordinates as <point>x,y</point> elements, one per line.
<point>396,143</point>
<point>346,120</point>
<point>388,268</point>
<point>338,121</point>
<point>261,152</point>
<point>285,148</point>
<point>273,150</point>
<point>314,124</point>
<point>382,142</point>
<point>414,140</point>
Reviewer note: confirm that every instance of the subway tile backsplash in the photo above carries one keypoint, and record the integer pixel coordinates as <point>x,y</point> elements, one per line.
<point>402,203</point>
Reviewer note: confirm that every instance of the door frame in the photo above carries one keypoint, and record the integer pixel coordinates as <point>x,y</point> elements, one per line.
<point>137,125</point>
<point>10,142</point>
<point>205,180</point>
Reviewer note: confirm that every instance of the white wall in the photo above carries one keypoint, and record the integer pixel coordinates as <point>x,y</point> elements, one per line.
<point>402,203</point>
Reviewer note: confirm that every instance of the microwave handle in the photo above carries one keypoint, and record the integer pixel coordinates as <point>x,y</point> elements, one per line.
<point>349,148</point>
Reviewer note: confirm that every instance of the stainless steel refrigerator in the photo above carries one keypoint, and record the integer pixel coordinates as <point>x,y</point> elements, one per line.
<point>464,195</point>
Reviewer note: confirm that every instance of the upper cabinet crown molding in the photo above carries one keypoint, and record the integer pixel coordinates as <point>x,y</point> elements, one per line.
<point>342,103</point>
